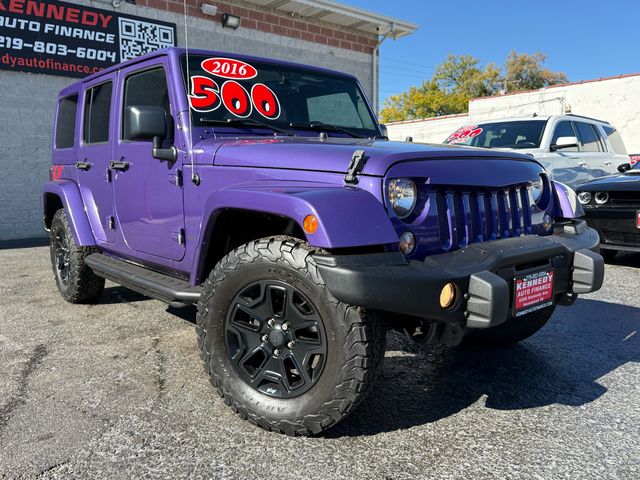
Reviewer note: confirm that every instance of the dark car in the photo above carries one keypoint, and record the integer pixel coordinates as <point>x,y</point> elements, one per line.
<point>265,192</point>
<point>612,207</point>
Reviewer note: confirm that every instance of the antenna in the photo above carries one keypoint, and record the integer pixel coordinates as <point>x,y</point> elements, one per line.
<point>194,176</point>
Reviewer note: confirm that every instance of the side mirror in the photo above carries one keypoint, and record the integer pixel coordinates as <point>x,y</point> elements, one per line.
<point>624,167</point>
<point>564,142</point>
<point>384,130</point>
<point>149,123</point>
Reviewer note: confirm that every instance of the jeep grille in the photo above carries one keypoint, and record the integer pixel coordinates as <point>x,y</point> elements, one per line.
<point>472,216</point>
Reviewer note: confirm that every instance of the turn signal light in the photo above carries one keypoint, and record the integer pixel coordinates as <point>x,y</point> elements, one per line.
<point>448,296</point>
<point>310,224</point>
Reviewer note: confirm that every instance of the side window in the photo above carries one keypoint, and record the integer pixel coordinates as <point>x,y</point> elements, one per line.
<point>589,138</point>
<point>66,122</point>
<point>564,129</point>
<point>148,88</point>
<point>97,109</point>
<point>615,139</point>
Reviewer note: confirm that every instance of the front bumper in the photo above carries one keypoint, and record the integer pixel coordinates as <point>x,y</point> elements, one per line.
<point>617,227</point>
<point>483,274</point>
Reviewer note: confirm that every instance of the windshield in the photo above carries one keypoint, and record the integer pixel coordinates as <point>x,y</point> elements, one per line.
<point>520,134</point>
<point>280,97</point>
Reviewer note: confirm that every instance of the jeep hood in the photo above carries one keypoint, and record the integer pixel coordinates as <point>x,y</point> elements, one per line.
<point>332,154</point>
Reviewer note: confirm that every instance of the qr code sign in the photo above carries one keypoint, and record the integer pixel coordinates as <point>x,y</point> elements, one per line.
<point>138,38</point>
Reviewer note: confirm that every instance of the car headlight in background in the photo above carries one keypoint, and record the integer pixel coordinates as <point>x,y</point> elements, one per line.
<point>584,197</point>
<point>601,198</point>
<point>403,195</point>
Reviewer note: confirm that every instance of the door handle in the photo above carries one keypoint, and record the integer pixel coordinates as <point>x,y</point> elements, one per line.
<point>122,166</point>
<point>582,164</point>
<point>83,165</point>
<point>607,163</point>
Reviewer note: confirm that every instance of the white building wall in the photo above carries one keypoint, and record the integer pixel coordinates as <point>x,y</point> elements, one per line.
<point>429,130</point>
<point>616,100</point>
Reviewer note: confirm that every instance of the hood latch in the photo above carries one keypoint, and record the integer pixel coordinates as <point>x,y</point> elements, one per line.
<point>358,160</point>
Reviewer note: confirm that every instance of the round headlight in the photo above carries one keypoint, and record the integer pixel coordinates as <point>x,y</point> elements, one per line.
<point>403,195</point>
<point>536,188</point>
<point>602,198</point>
<point>584,197</point>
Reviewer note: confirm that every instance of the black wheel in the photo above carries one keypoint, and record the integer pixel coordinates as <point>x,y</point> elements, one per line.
<point>280,350</point>
<point>514,330</point>
<point>75,280</point>
<point>608,255</point>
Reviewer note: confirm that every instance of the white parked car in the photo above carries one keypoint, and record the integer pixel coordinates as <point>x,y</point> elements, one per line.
<point>572,148</point>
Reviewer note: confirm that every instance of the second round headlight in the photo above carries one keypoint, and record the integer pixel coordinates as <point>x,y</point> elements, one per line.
<point>403,195</point>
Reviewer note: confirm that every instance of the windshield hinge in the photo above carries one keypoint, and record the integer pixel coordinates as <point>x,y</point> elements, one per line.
<point>358,161</point>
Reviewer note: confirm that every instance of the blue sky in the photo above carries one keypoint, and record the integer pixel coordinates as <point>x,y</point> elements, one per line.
<point>585,39</point>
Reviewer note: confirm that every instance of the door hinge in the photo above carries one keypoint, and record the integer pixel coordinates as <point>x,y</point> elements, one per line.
<point>176,178</point>
<point>107,175</point>
<point>112,222</point>
<point>358,161</point>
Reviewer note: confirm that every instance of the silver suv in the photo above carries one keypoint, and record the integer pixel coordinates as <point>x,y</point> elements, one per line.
<point>572,148</point>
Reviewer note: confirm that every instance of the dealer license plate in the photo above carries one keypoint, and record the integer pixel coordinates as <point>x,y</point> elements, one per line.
<point>532,292</point>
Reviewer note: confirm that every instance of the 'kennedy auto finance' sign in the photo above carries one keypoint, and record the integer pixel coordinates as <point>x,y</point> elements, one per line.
<point>60,38</point>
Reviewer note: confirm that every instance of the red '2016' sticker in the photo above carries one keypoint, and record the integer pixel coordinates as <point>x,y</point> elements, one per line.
<point>465,133</point>
<point>229,68</point>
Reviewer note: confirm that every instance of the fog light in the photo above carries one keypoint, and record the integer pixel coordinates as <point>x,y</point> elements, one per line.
<point>407,243</point>
<point>448,296</point>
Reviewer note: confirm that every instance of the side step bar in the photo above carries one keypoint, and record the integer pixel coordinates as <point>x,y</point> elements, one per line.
<point>168,289</point>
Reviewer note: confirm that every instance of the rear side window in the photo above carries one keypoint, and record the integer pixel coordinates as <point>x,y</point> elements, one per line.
<point>589,137</point>
<point>148,88</point>
<point>564,129</point>
<point>615,139</point>
<point>97,109</point>
<point>66,122</point>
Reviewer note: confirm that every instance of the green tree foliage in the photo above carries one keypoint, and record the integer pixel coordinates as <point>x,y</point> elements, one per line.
<point>526,72</point>
<point>460,78</point>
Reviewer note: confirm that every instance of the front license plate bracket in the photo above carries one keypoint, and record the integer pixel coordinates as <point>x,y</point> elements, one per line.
<point>532,291</point>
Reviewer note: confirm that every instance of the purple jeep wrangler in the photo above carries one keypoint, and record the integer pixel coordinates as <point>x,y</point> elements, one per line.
<point>266,193</point>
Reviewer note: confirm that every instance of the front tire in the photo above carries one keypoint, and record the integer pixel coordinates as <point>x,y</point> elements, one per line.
<point>75,280</point>
<point>280,350</point>
<point>514,330</point>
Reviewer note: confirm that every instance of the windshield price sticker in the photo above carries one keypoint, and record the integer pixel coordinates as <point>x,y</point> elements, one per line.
<point>465,133</point>
<point>207,94</point>
<point>533,292</point>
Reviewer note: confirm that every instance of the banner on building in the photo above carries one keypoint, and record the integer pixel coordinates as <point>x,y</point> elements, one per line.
<point>71,40</point>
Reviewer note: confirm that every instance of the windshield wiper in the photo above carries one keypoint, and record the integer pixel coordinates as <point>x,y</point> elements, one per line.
<point>324,126</point>
<point>242,122</point>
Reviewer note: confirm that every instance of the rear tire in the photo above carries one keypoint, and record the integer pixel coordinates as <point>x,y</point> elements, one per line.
<point>514,330</point>
<point>298,380</point>
<point>75,280</point>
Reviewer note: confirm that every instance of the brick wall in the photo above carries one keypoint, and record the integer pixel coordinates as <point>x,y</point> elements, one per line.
<point>269,22</point>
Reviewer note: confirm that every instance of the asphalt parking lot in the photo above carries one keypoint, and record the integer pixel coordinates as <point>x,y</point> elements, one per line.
<point>116,390</point>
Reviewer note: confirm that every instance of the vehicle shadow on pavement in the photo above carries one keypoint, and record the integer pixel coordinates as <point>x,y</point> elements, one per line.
<point>118,294</point>
<point>560,365</point>
<point>625,259</point>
